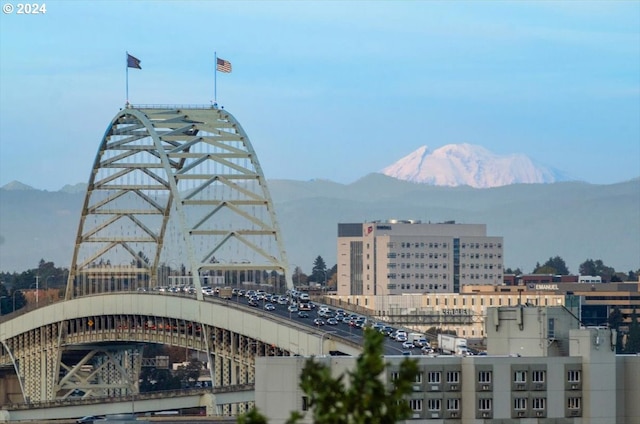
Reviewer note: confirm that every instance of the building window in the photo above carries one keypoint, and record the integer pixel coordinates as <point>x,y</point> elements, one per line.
<point>434,377</point>
<point>415,405</point>
<point>539,403</point>
<point>520,404</point>
<point>453,376</point>
<point>574,403</point>
<point>434,405</point>
<point>573,376</point>
<point>538,376</point>
<point>305,403</point>
<point>485,404</point>
<point>453,404</point>
<point>394,376</point>
<point>520,377</point>
<point>484,377</point>
<point>418,378</point>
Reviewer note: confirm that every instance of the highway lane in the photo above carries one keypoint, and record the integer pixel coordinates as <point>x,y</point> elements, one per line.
<point>341,329</point>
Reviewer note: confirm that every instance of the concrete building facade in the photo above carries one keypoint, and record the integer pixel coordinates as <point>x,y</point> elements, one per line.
<point>542,367</point>
<point>400,257</point>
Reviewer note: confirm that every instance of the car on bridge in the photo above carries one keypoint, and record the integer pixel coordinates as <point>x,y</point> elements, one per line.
<point>303,314</point>
<point>318,322</point>
<point>90,419</point>
<point>269,307</point>
<point>332,321</point>
<point>408,345</point>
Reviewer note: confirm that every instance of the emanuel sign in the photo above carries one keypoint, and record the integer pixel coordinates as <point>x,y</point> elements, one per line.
<point>545,287</point>
<point>456,312</point>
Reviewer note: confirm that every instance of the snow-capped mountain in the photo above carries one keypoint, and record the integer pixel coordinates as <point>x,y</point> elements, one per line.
<point>471,165</point>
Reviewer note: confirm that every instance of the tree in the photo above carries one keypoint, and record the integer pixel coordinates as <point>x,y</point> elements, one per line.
<point>332,277</point>
<point>597,268</point>
<point>190,372</point>
<point>153,379</point>
<point>365,399</point>
<point>299,277</point>
<point>318,273</point>
<point>556,266</point>
<point>516,271</point>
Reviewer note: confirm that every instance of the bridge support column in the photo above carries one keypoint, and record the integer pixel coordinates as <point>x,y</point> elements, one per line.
<point>34,358</point>
<point>208,400</point>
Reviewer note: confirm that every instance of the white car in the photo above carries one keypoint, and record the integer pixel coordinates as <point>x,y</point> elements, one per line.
<point>407,345</point>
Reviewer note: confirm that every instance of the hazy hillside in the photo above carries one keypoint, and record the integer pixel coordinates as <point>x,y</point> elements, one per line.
<point>574,220</point>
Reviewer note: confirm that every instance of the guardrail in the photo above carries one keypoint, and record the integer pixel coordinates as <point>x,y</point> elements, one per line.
<point>160,394</point>
<point>167,106</point>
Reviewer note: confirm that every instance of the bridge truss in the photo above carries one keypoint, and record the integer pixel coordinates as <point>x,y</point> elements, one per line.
<point>176,196</point>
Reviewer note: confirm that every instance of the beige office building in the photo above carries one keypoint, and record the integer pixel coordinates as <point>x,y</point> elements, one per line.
<point>399,257</point>
<point>541,367</point>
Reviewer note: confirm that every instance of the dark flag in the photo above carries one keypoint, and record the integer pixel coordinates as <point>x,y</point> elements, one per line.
<point>133,62</point>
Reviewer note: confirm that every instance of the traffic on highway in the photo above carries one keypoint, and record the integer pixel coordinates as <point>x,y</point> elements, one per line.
<point>297,306</point>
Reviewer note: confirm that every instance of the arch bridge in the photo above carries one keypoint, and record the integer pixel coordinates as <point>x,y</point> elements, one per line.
<point>176,199</point>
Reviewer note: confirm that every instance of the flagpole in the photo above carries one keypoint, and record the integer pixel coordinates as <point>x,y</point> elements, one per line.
<point>126,64</point>
<point>215,77</point>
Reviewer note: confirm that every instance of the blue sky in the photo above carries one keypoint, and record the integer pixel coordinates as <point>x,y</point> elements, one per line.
<point>330,90</point>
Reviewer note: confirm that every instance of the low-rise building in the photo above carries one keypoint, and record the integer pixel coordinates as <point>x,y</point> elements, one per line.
<point>541,367</point>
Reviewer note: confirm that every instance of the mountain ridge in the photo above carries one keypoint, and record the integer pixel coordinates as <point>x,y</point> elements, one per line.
<point>575,220</point>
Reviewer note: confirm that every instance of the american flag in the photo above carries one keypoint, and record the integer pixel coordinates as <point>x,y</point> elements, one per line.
<point>223,65</point>
<point>133,62</point>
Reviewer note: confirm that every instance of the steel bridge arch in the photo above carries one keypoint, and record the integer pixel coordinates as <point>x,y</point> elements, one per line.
<point>187,170</point>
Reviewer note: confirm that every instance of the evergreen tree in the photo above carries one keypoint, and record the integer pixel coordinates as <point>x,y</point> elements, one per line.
<point>318,273</point>
<point>365,399</point>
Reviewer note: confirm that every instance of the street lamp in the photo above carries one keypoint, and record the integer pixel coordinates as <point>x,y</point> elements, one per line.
<point>325,278</point>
